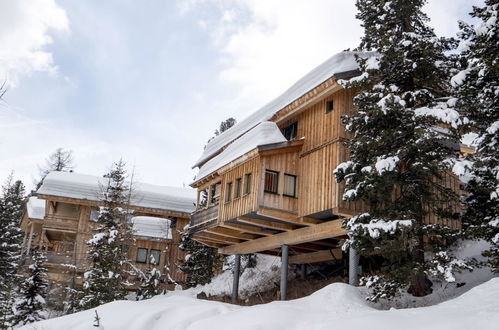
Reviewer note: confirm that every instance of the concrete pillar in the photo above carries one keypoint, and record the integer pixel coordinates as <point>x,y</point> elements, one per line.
<point>235,283</point>
<point>284,271</point>
<point>353,266</point>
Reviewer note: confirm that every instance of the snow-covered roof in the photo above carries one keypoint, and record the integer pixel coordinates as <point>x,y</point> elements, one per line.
<point>152,227</point>
<point>264,133</point>
<point>339,63</point>
<point>35,208</point>
<point>89,187</point>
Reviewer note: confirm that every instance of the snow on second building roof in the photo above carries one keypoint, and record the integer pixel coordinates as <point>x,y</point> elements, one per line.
<point>89,187</point>
<point>152,227</point>
<point>338,63</point>
<point>264,133</point>
<point>35,208</point>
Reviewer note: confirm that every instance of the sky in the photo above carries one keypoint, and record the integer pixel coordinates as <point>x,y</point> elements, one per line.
<point>150,81</point>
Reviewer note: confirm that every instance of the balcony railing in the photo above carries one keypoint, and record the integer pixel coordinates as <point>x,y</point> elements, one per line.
<point>204,215</point>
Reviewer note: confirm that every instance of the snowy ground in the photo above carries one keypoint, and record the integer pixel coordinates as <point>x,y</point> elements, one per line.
<point>336,306</point>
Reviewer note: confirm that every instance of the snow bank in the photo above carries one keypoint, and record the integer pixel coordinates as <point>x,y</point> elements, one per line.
<point>264,133</point>
<point>337,306</point>
<point>338,63</point>
<point>151,227</point>
<point>88,187</point>
<point>35,208</point>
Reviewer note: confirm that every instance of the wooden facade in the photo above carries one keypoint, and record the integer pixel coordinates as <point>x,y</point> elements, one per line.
<point>67,225</point>
<point>308,222</point>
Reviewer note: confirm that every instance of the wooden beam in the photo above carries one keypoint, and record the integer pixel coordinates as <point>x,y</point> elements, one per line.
<point>245,228</point>
<point>209,243</point>
<point>319,256</point>
<point>307,246</point>
<point>215,237</point>
<point>287,217</point>
<point>302,235</point>
<point>267,224</point>
<point>227,232</point>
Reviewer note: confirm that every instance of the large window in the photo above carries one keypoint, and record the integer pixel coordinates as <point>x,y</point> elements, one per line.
<point>203,198</point>
<point>289,185</point>
<point>290,131</point>
<point>237,190</point>
<point>247,184</point>
<point>141,255</point>
<point>228,192</point>
<point>215,193</point>
<point>154,257</point>
<point>271,181</point>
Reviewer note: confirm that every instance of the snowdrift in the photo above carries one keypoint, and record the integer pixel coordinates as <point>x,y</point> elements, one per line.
<point>337,306</point>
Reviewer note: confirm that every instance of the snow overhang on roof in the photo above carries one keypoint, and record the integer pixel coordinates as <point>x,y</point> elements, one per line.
<point>35,208</point>
<point>152,227</point>
<point>335,66</point>
<point>264,133</point>
<point>89,187</point>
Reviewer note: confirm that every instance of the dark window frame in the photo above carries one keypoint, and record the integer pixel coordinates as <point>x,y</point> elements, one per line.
<point>228,192</point>
<point>294,186</point>
<point>159,257</point>
<point>329,106</point>
<point>290,132</point>
<point>237,188</point>
<point>247,183</point>
<point>276,192</point>
<point>137,256</point>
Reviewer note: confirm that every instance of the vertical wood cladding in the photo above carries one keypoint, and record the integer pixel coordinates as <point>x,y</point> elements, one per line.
<point>247,202</point>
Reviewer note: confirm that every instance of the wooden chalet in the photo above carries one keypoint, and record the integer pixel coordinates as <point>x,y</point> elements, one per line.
<point>61,218</point>
<point>266,185</point>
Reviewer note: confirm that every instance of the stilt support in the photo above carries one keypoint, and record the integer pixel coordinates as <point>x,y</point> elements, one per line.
<point>284,271</point>
<point>235,283</point>
<point>353,267</point>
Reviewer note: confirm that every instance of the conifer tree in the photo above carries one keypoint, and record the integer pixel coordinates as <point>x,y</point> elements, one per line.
<point>200,262</point>
<point>31,305</point>
<point>477,86</point>
<point>105,280</point>
<point>12,202</point>
<point>149,284</point>
<point>404,138</point>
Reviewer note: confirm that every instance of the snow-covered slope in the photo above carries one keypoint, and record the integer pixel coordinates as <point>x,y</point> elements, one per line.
<point>337,306</point>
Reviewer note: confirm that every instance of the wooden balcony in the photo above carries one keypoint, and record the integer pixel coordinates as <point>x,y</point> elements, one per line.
<point>204,215</point>
<point>51,222</point>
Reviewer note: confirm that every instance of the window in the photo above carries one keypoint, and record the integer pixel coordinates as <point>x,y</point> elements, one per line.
<point>228,192</point>
<point>290,131</point>
<point>154,257</point>
<point>237,192</point>
<point>329,106</point>
<point>271,181</point>
<point>247,184</point>
<point>215,193</point>
<point>289,185</point>
<point>67,210</point>
<point>94,214</point>
<point>202,198</point>
<point>141,255</point>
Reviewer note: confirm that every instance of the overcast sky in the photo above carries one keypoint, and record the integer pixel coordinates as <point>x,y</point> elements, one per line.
<point>149,81</point>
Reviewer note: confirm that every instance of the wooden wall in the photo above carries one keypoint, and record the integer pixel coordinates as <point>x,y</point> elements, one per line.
<point>283,163</point>
<point>246,203</point>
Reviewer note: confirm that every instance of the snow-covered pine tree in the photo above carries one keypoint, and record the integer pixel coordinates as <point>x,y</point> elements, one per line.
<point>12,202</point>
<point>30,305</point>
<point>477,86</point>
<point>200,262</point>
<point>61,161</point>
<point>404,139</point>
<point>150,281</point>
<point>106,278</point>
